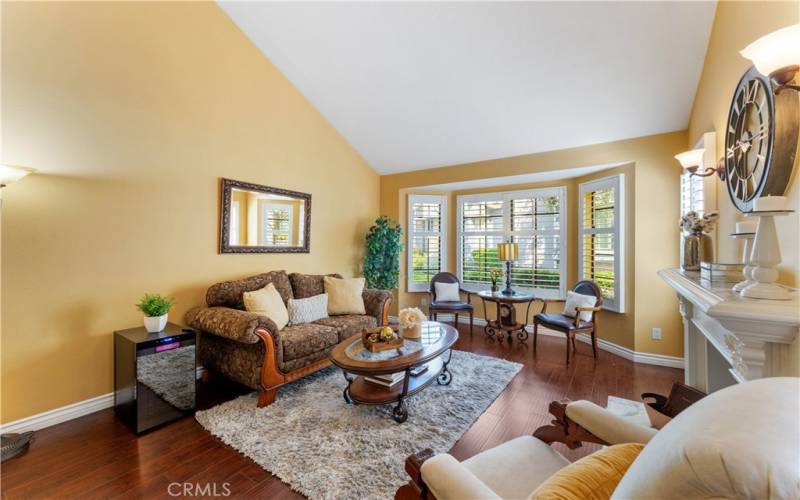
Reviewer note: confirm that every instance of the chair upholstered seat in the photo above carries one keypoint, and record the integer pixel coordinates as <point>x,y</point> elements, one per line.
<point>526,459</point>
<point>560,320</point>
<point>451,305</point>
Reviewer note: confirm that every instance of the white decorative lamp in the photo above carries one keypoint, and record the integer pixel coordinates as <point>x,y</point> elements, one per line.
<point>692,160</point>
<point>12,173</point>
<point>777,55</point>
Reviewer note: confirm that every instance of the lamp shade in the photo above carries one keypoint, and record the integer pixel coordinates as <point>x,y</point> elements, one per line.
<point>12,173</point>
<point>691,158</point>
<point>777,50</point>
<point>507,252</point>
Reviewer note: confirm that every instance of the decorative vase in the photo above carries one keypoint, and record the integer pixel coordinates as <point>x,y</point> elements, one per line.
<point>495,288</point>
<point>155,324</point>
<point>412,332</point>
<point>696,248</point>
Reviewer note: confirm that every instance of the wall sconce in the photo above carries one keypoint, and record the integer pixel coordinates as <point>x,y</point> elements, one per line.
<point>691,161</point>
<point>12,173</point>
<point>777,55</point>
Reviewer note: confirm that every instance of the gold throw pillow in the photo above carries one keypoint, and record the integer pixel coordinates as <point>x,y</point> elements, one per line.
<point>594,477</point>
<point>267,302</point>
<point>344,295</point>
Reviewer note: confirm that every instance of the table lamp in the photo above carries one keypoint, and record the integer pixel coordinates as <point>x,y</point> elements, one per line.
<point>508,253</point>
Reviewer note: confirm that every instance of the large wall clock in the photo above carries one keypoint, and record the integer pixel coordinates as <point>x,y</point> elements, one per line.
<point>760,140</point>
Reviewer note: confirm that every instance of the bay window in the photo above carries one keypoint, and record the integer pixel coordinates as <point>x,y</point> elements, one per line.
<point>534,219</point>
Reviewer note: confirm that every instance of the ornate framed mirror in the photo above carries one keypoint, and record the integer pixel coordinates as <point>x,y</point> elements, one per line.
<point>263,219</point>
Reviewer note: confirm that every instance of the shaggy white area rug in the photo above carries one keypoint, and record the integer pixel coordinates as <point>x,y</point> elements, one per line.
<point>326,449</point>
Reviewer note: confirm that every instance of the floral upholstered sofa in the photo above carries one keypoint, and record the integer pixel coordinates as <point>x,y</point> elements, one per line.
<point>249,348</point>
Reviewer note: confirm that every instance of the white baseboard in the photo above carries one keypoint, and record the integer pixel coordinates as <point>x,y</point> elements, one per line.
<point>59,415</point>
<point>65,413</point>
<point>623,352</point>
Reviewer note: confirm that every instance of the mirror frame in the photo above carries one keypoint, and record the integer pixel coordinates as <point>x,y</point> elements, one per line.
<point>227,186</point>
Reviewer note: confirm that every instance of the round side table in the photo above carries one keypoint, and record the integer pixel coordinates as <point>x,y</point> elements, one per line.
<point>506,321</point>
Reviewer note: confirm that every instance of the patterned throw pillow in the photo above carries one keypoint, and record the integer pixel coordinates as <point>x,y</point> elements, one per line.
<point>308,310</point>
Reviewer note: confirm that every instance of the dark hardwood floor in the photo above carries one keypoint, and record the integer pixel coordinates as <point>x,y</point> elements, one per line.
<point>96,456</point>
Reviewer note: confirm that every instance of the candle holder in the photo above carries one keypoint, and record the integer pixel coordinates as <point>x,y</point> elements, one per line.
<point>766,254</point>
<point>748,269</point>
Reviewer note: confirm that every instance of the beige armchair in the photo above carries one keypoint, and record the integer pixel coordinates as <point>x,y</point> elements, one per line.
<point>740,442</point>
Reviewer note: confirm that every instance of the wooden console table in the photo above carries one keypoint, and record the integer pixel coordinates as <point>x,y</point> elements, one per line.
<point>730,339</point>
<point>506,321</point>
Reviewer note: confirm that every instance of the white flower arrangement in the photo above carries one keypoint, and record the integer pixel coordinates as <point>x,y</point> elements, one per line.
<point>692,223</point>
<point>410,317</point>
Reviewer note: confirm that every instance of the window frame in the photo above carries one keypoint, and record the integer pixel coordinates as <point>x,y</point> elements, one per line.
<point>265,231</point>
<point>506,233</point>
<point>441,200</point>
<point>617,182</point>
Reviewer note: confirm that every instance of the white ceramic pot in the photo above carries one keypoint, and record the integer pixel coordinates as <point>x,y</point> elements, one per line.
<point>155,324</point>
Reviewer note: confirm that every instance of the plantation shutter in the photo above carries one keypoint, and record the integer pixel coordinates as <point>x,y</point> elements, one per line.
<point>533,219</point>
<point>600,238</point>
<point>427,246</point>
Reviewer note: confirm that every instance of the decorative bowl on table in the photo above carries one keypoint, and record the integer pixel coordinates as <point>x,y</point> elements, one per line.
<point>381,339</point>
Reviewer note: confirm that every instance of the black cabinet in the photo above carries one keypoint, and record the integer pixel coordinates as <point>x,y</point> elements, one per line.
<point>154,376</point>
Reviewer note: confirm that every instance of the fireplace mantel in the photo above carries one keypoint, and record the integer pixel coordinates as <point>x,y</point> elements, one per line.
<point>728,338</point>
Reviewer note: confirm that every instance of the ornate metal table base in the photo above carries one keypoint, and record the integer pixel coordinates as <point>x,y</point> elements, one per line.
<point>443,376</point>
<point>506,321</point>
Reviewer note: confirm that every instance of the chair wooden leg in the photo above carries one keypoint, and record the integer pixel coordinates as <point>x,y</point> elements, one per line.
<point>455,321</point>
<point>568,348</point>
<point>435,316</point>
<point>574,349</point>
<point>535,335</point>
<point>470,322</point>
<point>594,344</point>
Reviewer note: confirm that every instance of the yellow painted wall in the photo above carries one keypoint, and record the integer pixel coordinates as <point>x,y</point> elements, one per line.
<point>147,104</point>
<point>736,24</point>
<point>652,239</point>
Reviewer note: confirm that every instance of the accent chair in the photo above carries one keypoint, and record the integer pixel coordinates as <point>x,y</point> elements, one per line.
<point>568,325</point>
<point>738,442</point>
<point>447,306</point>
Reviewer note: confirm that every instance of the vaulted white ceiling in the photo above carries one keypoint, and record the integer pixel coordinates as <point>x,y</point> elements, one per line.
<point>419,85</point>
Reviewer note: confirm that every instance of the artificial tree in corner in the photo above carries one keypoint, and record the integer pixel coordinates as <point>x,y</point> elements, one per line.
<point>382,262</point>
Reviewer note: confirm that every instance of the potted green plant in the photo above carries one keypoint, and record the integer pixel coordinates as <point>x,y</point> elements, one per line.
<point>382,261</point>
<point>495,274</point>
<point>155,308</point>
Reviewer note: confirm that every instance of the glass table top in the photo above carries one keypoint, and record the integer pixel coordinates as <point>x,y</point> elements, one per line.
<point>431,333</point>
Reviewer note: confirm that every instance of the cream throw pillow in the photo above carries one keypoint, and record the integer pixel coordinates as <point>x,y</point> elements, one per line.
<point>447,292</point>
<point>579,300</point>
<point>267,302</point>
<point>344,295</point>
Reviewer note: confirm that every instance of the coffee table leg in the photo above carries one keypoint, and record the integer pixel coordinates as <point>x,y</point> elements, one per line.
<point>400,412</point>
<point>346,392</point>
<point>445,377</point>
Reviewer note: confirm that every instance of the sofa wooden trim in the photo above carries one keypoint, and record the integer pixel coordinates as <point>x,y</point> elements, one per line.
<point>560,430</point>
<point>272,378</point>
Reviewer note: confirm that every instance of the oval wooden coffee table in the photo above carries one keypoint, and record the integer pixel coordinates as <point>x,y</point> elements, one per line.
<point>354,359</point>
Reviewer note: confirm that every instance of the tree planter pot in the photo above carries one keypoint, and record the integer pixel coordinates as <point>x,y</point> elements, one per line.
<point>154,324</point>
